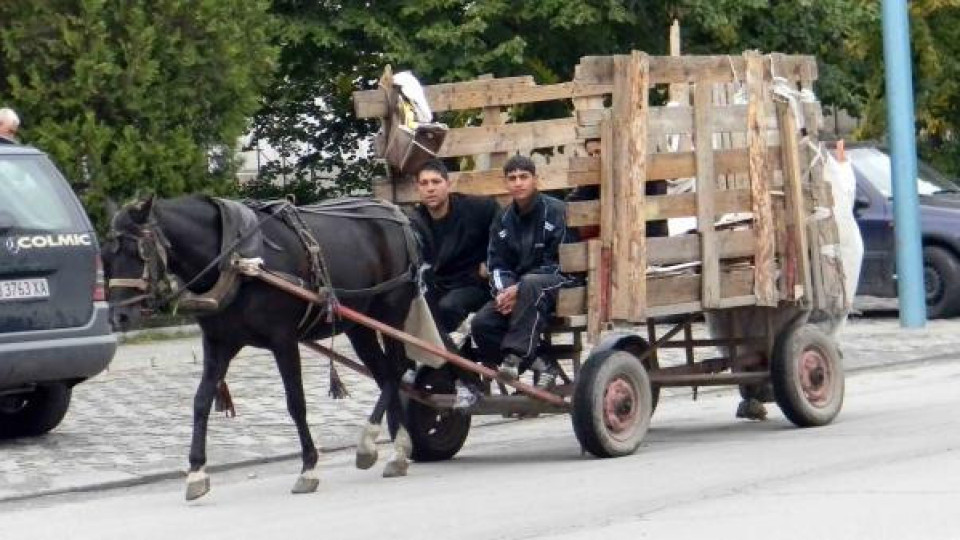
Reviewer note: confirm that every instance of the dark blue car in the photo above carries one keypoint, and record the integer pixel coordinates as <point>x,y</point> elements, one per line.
<point>940,225</point>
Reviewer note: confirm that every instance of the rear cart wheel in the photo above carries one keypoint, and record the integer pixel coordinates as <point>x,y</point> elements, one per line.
<point>807,377</point>
<point>437,434</point>
<point>612,403</point>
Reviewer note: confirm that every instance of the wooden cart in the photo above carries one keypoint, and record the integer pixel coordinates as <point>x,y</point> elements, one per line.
<point>729,142</point>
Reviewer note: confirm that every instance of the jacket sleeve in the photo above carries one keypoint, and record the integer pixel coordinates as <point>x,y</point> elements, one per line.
<point>553,238</point>
<point>501,274</point>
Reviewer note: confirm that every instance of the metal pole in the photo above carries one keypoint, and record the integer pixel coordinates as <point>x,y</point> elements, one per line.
<point>896,53</point>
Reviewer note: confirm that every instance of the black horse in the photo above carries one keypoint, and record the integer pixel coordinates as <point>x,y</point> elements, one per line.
<point>152,240</point>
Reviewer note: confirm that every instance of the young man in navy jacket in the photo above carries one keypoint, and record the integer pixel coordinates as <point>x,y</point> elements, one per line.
<point>454,229</point>
<point>524,263</point>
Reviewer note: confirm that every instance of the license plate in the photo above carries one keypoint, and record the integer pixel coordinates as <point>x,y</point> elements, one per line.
<point>24,289</point>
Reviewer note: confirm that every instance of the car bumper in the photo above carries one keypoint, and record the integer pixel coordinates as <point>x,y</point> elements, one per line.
<point>61,354</point>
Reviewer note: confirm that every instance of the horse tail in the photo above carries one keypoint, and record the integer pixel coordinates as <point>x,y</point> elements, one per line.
<point>338,390</point>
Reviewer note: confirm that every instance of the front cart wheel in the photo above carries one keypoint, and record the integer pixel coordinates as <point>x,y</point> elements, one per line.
<point>612,403</point>
<point>437,434</point>
<point>807,377</point>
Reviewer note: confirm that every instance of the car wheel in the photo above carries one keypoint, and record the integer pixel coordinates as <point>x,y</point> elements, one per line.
<point>941,280</point>
<point>34,413</point>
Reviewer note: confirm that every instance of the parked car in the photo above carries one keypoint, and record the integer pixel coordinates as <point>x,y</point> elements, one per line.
<point>939,223</point>
<point>54,320</point>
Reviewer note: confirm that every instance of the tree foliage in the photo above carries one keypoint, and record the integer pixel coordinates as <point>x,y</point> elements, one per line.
<point>136,95</point>
<point>330,49</point>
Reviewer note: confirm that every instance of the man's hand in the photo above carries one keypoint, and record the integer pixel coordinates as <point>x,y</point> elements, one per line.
<point>506,299</point>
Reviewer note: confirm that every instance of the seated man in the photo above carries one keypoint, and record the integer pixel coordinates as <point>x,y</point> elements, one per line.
<point>455,229</point>
<point>524,263</point>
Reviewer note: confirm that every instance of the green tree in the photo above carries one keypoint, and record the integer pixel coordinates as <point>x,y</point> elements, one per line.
<point>136,95</point>
<point>935,43</point>
<point>330,49</point>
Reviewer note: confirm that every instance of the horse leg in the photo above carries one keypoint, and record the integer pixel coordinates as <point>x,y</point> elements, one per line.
<point>365,344</point>
<point>396,360</point>
<point>287,355</point>
<point>216,360</point>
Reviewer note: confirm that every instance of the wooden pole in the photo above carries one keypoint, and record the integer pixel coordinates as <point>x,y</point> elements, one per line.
<point>764,284</point>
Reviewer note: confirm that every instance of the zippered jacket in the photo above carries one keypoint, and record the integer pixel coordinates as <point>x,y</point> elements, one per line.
<point>528,243</point>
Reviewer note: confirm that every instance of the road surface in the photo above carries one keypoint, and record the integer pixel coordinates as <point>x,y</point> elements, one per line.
<point>887,468</point>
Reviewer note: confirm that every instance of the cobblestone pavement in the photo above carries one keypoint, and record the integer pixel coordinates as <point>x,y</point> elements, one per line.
<point>134,421</point>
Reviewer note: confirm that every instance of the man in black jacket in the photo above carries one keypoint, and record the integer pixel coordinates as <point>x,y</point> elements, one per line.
<point>524,263</point>
<point>455,230</point>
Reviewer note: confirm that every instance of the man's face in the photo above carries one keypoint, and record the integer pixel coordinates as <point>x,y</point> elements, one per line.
<point>434,190</point>
<point>593,148</point>
<point>521,184</point>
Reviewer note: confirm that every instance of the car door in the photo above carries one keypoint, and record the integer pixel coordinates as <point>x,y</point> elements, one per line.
<point>874,215</point>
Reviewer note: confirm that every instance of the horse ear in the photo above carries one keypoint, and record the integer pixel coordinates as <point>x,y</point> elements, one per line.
<point>140,212</point>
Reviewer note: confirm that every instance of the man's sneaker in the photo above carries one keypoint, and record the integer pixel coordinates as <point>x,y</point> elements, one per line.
<point>548,377</point>
<point>466,397</point>
<point>510,368</point>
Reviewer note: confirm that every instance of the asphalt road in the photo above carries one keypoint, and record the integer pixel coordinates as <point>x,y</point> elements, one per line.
<point>887,468</point>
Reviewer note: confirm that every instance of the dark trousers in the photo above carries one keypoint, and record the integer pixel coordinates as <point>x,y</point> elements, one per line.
<point>497,335</point>
<point>451,307</point>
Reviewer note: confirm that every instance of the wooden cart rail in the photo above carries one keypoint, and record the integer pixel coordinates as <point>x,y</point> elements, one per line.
<point>723,129</point>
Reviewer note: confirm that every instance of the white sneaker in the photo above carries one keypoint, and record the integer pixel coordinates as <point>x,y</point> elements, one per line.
<point>466,398</point>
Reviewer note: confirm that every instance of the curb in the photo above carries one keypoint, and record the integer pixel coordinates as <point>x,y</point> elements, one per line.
<point>164,332</point>
<point>139,480</point>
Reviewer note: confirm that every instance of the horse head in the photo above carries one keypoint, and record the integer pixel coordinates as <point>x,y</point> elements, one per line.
<point>135,263</point>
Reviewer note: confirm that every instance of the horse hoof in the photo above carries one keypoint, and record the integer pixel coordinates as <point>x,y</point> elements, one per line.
<point>751,409</point>
<point>366,460</point>
<point>198,485</point>
<point>367,446</point>
<point>396,468</point>
<point>306,483</point>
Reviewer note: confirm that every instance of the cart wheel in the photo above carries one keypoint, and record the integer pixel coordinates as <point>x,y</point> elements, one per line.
<point>611,404</point>
<point>437,434</point>
<point>637,347</point>
<point>807,377</point>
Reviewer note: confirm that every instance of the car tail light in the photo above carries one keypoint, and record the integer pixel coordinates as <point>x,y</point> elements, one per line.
<point>100,285</point>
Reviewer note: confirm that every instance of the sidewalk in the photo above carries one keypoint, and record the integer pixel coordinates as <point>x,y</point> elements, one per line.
<point>133,423</point>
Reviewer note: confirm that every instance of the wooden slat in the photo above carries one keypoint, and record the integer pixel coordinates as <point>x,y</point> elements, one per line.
<point>680,294</point>
<point>572,301</point>
<point>606,212</point>
<point>574,257</point>
<point>706,187</point>
<point>687,288</point>
<point>481,93</point>
<point>594,309</point>
<point>582,213</point>
<point>637,176</point>
<point>690,69</point>
<point>728,118</point>
<point>620,272</point>
<point>667,250</point>
<point>526,136</point>
<point>684,165</point>
<point>764,268</point>
<point>373,104</point>
<point>796,252</point>
<point>492,116</point>
<point>686,248</point>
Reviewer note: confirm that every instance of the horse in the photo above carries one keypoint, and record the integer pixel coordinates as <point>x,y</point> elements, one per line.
<point>154,240</point>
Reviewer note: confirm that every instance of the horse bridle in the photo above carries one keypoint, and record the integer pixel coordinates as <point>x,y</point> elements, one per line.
<point>155,283</point>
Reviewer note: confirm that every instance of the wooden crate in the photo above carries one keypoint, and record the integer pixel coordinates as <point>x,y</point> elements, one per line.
<point>746,156</point>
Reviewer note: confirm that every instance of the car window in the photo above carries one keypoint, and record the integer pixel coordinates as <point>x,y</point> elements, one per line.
<point>33,197</point>
<point>874,165</point>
